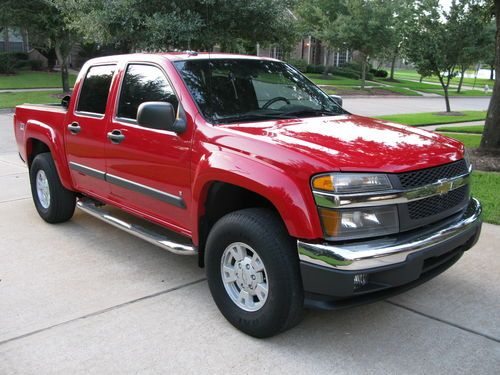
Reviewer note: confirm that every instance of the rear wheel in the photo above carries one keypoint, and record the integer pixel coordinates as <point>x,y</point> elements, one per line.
<point>253,272</point>
<point>53,201</point>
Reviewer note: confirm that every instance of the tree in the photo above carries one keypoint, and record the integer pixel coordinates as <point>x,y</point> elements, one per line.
<point>431,45</point>
<point>470,28</point>
<point>364,27</point>
<point>133,25</point>
<point>46,26</point>
<point>491,134</point>
<point>402,13</point>
<point>489,50</point>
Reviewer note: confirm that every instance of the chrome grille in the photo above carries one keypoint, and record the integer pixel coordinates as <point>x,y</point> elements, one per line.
<point>436,204</point>
<point>427,176</point>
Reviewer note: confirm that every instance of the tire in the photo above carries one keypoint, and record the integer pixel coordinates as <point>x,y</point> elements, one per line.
<point>260,231</point>
<point>60,205</point>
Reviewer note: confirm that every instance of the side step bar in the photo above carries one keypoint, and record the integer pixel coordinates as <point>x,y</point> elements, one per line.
<point>161,240</point>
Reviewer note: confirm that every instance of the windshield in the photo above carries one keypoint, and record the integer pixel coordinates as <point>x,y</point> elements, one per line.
<point>238,90</point>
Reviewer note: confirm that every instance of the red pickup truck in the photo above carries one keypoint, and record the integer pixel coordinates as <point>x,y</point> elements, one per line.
<point>286,199</point>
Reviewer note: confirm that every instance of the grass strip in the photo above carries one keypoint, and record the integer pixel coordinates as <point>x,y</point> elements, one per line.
<point>431,118</point>
<point>473,129</point>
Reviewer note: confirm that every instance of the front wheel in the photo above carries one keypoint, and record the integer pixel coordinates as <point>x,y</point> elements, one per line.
<point>253,272</point>
<point>53,201</point>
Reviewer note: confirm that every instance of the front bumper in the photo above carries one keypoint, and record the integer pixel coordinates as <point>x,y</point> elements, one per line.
<point>391,264</point>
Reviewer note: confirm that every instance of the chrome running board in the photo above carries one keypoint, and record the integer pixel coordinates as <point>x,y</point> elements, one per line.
<point>154,237</point>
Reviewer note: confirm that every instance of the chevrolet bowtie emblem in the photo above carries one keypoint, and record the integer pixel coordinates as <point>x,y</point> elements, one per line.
<point>444,187</point>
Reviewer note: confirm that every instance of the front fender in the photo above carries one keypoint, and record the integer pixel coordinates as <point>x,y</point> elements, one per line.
<point>291,198</point>
<point>36,130</point>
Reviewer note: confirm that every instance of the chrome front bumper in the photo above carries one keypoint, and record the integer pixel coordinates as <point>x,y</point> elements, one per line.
<point>387,251</point>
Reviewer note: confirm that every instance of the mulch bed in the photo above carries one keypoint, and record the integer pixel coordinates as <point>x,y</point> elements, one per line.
<point>485,161</point>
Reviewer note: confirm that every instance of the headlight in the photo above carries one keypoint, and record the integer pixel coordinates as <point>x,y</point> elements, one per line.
<point>342,183</point>
<point>342,224</point>
<point>467,159</point>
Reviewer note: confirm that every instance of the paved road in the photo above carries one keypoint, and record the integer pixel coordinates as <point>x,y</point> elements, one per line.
<point>367,106</point>
<point>83,297</point>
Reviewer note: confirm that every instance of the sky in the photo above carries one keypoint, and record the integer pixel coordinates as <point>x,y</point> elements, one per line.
<point>445,3</point>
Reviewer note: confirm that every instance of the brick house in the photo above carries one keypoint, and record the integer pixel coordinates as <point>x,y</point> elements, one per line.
<point>13,39</point>
<point>310,50</point>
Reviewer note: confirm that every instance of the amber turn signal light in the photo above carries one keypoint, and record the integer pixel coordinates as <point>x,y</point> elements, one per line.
<point>323,183</point>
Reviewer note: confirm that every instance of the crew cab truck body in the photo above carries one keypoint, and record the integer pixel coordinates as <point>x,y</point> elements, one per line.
<point>286,199</point>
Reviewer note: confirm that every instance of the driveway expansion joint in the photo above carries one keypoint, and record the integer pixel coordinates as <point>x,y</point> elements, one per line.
<point>103,311</point>
<point>484,335</point>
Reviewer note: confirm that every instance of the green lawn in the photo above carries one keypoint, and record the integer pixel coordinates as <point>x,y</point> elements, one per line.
<point>485,187</point>
<point>431,88</point>
<point>336,81</point>
<point>29,79</point>
<point>11,99</point>
<point>469,140</point>
<point>474,129</point>
<point>350,90</point>
<point>400,90</point>
<point>409,84</point>
<point>412,74</point>
<point>430,118</point>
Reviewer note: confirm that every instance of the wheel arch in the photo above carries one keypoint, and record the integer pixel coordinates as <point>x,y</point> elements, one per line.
<point>251,184</point>
<point>42,138</point>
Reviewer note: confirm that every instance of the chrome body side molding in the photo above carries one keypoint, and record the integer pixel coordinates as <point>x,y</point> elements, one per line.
<point>87,170</point>
<point>139,188</point>
<point>131,185</point>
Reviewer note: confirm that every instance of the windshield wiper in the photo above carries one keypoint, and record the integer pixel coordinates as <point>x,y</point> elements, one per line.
<point>253,116</point>
<point>305,111</point>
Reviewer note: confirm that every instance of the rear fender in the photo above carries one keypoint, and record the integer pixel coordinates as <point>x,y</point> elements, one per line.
<point>36,130</point>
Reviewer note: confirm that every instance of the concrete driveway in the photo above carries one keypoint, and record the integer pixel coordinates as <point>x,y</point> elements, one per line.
<point>83,297</point>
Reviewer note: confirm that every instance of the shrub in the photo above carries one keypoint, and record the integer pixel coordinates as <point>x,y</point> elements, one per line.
<point>299,64</point>
<point>344,73</point>
<point>35,65</point>
<point>7,63</point>
<point>356,66</point>
<point>381,73</point>
<point>20,55</point>
<point>318,69</point>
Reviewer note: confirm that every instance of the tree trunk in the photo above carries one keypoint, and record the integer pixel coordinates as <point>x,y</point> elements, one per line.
<point>363,72</point>
<point>63,63</point>
<point>464,68</point>
<point>492,71</point>
<point>446,94</point>
<point>447,99</point>
<point>393,66</point>
<point>491,134</point>
<point>421,79</point>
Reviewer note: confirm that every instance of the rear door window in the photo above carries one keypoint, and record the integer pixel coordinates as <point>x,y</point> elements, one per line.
<point>143,83</point>
<point>95,89</point>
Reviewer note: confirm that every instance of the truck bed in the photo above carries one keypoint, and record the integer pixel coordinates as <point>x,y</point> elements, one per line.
<point>49,117</point>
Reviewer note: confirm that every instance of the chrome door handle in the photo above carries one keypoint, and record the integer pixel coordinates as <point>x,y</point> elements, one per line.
<point>74,128</point>
<point>116,136</point>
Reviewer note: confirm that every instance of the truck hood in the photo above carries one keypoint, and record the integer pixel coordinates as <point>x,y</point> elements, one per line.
<point>348,143</point>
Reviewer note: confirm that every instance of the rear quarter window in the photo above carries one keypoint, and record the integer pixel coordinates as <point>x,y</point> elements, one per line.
<point>95,89</point>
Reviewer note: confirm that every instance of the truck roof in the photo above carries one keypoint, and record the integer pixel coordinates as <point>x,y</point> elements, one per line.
<point>178,56</point>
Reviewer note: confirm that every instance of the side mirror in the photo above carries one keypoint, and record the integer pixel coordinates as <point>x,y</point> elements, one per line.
<point>65,101</point>
<point>337,99</point>
<point>159,115</point>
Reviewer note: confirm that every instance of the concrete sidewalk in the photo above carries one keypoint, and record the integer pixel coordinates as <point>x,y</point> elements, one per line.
<point>83,297</point>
